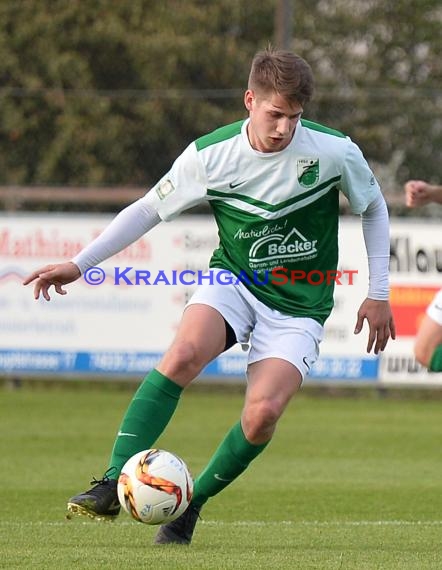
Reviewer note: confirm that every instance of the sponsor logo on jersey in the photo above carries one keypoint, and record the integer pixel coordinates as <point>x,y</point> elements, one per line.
<point>277,249</point>
<point>308,171</point>
<point>236,184</point>
<point>268,229</point>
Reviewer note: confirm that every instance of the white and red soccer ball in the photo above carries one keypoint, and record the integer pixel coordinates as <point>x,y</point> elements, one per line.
<point>155,486</point>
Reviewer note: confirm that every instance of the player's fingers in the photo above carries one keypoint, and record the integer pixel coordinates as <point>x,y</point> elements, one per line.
<point>371,339</point>
<point>392,329</point>
<point>412,184</point>
<point>378,337</point>
<point>31,277</point>
<point>359,324</point>
<point>44,290</point>
<point>382,340</point>
<point>37,273</point>
<point>383,336</point>
<point>388,330</point>
<point>413,199</point>
<point>37,289</point>
<point>49,274</point>
<point>59,289</point>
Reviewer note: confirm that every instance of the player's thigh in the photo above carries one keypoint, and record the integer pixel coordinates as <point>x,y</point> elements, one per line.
<point>427,339</point>
<point>272,380</point>
<point>201,336</point>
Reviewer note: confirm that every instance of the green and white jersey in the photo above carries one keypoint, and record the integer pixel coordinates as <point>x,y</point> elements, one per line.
<point>273,210</point>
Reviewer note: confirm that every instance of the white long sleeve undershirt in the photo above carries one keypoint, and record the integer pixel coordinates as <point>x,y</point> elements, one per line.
<point>375,227</point>
<point>128,226</point>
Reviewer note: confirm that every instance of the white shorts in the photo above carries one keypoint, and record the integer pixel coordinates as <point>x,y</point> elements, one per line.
<point>267,332</point>
<point>434,310</point>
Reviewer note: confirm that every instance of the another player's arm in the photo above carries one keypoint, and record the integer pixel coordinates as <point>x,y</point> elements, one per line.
<point>419,193</point>
<point>435,193</point>
<point>376,307</point>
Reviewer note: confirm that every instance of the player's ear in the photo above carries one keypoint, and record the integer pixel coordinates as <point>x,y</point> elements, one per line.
<point>249,97</point>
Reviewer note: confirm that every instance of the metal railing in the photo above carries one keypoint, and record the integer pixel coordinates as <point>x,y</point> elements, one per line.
<point>25,198</point>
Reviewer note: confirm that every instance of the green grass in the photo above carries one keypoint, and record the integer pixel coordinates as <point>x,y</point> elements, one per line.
<point>346,484</point>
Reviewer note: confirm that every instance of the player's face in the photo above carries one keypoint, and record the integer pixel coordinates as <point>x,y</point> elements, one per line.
<point>273,120</point>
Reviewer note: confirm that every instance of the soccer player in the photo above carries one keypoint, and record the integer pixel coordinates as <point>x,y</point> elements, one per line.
<point>428,342</point>
<point>273,182</point>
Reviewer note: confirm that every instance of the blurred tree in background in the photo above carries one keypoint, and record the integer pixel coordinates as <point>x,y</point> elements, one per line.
<point>108,92</point>
<point>379,70</point>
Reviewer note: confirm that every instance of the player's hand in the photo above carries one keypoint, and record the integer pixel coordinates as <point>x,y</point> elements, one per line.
<point>52,275</point>
<point>380,323</point>
<point>417,193</point>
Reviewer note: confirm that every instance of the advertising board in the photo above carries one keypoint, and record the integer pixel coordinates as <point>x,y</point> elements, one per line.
<point>123,319</point>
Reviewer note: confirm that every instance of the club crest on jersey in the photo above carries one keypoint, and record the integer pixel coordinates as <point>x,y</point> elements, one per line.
<point>308,171</point>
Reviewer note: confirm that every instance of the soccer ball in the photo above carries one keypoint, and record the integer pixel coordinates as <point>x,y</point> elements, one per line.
<point>155,486</point>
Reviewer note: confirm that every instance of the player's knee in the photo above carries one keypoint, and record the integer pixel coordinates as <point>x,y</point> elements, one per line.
<point>183,359</point>
<point>259,420</point>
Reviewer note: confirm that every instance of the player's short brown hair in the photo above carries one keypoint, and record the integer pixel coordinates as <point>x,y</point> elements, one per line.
<point>282,72</point>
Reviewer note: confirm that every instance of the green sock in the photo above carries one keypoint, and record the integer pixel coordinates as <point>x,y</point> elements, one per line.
<point>146,417</point>
<point>228,462</point>
<point>436,360</point>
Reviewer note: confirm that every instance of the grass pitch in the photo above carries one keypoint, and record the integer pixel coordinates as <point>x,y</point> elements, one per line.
<point>347,483</point>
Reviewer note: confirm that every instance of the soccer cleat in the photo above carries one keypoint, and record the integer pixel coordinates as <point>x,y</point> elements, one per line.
<point>99,503</point>
<point>179,531</point>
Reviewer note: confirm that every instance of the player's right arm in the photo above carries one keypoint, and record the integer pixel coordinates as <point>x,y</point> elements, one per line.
<point>184,186</point>
<point>128,226</point>
<point>55,275</point>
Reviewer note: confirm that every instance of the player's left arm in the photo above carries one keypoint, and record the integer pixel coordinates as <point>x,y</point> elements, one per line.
<point>360,186</point>
<point>376,307</point>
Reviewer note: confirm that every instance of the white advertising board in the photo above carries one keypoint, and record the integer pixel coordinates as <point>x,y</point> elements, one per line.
<point>118,325</point>
<point>122,325</point>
